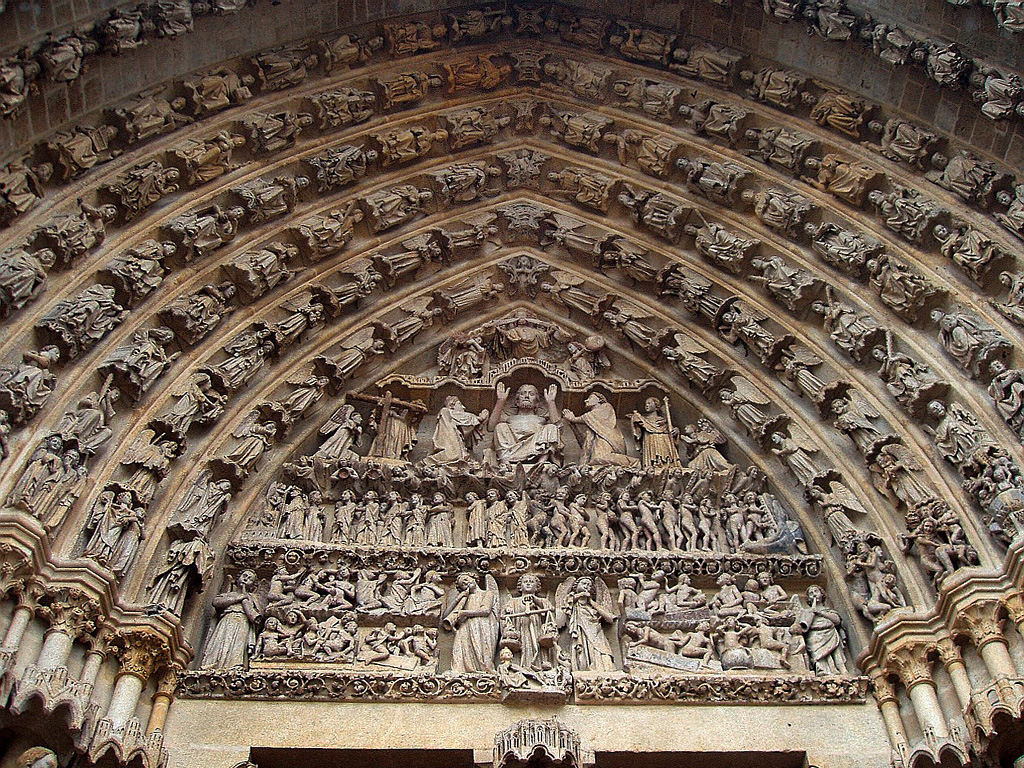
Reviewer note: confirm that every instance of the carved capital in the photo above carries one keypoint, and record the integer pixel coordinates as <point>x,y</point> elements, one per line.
<point>1014,605</point>
<point>982,623</point>
<point>167,685</point>
<point>70,611</point>
<point>14,565</point>
<point>912,665</point>
<point>140,652</point>
<point>949,652</point>
<point>883,688</point>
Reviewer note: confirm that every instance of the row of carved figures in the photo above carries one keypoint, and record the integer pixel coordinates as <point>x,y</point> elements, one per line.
<point>973,344</point>
<point>321,616</point>
<point>636,329</point>
<point>751,522</point>
<point>62,59</point>
<point>306,401</point>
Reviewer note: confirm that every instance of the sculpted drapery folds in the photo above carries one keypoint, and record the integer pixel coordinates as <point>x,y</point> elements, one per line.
<point>529,434</point>
<point>473,614</point>
<point>658,281</point>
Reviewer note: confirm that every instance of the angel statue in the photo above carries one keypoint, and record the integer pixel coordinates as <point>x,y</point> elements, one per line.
<point>584,606</point>
<point>472,614</point>
<point>894,473</point>
<point>342,431</point>
<point>531,434</point>
<point>455,432</point>
<point>203,503</point>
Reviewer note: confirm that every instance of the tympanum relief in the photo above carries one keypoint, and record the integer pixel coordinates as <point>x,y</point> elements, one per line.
<point>515,511</point>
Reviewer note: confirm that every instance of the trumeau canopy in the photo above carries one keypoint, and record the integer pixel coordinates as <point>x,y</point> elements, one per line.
<point>230,250</point>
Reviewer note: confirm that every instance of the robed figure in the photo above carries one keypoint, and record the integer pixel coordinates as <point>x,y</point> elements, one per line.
<point>529,625</point>
<point>235,631</point>
<point>603,442</point>
<point>653,430</point>
<point>455,432</point>
<point>529,435</point>
<point>584,607</point>
<point>472,614</point>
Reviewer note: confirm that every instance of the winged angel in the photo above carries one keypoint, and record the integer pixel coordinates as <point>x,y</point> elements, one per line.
<point>583,606</point>
<point>472,613</point>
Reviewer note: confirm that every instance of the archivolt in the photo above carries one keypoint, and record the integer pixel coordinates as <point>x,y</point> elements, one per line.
<point>551,98</point>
